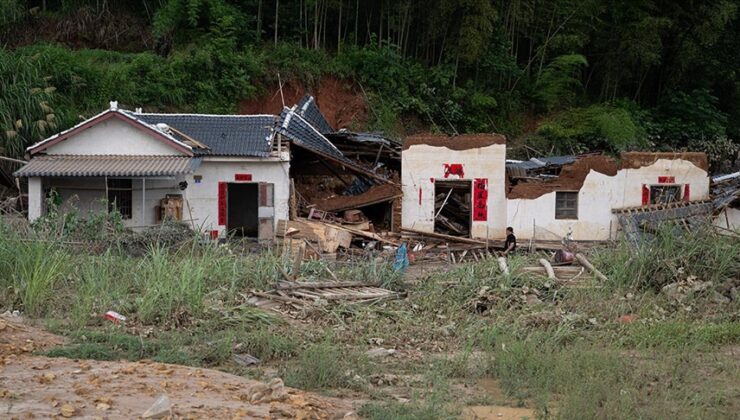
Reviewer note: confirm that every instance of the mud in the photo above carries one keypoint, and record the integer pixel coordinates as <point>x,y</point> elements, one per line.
<point>571,178</point>
<point>461,142</point>
<point>42,387</point>
<point>340,102</point>
<point>371,196</point>
<point>636,160</point>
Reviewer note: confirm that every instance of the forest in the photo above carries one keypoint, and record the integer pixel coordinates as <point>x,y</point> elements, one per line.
<point>559,76</point>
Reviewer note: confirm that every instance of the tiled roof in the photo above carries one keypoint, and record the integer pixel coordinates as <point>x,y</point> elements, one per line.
<point>108,165</point>
<point>309,110</point>
<point>225,135</point>
<point>302,133</point>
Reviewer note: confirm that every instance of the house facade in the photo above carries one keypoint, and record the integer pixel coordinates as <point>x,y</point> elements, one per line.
<point>214,172</point>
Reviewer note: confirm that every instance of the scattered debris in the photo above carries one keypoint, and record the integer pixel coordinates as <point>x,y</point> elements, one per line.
<point>162,407</point>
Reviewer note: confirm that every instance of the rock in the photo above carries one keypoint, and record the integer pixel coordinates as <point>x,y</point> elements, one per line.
<point>719,298</point>
<point>245,359</point>
<point>162,407</point>
<point>734,292</point>
<point>379,352</point>
<point>67,410</point>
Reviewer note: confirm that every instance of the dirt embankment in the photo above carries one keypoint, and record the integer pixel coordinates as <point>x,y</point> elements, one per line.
<point>340,101</point>
<point>571,178</point>
<point>460,142</point>
<point>636,160</point>
<point>44,387</point>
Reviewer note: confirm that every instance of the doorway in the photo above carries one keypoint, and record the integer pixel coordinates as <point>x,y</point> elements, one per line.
<point>452,207</point>
<point>243,209</point>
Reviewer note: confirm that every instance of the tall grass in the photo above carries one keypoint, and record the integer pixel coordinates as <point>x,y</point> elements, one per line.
<point>672,256</point>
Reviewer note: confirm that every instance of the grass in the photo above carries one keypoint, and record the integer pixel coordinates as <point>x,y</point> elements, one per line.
<point>567,357</point>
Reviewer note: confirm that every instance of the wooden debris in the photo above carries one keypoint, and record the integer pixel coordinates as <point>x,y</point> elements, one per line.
<point>448,238</point>
<point>548,268</point>
<point>584,262</point>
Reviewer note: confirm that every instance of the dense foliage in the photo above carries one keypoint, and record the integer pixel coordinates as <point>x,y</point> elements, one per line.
<point>561,76</point>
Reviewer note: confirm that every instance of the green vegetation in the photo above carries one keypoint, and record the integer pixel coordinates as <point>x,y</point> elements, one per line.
<point>620,349</point>
<point>561,75</point>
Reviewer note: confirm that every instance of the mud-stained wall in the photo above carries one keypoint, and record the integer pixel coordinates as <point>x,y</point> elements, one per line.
<point>599,194</point>
<point>423,164</point>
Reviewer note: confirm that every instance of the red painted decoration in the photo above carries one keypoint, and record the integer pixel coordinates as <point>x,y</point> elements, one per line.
<point>645,195</point>
<point>222,203</point>
<point>666,180</point>
<point>480,199</point>
<point>214,234</point>
<point>431,180</point>
<point>686,193</point>
<point>243,177</point>
<point>419,195</point>
<point>454,169</point>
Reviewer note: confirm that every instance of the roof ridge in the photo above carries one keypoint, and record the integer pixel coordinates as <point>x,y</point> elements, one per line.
<point>179,114</point>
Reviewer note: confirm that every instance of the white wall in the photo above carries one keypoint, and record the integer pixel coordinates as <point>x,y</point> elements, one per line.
<point>422,164</point>
<point>203,197</point>
<point>35,198</point>
<point>597,197</point>
<point>112,137</point>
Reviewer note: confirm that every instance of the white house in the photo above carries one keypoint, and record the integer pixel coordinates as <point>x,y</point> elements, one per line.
<point>223,172</point>
<point>464,186</point>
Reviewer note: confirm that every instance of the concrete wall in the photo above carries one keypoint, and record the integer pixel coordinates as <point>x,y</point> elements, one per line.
<point>203,196</point>
<point>596,199</point>
<point>422,164</point>
<point>112,137</point>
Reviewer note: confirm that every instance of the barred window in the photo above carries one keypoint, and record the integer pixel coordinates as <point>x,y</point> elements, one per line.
<point>566,205</point>
<point>120,193</point>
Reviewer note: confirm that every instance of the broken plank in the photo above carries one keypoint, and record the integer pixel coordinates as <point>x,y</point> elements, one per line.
<point>321,285</point>
<point>449,238</point>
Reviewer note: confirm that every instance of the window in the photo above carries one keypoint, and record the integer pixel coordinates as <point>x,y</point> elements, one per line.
<point>120,196</point>
<point>664,194</point>
<point>566,205</point>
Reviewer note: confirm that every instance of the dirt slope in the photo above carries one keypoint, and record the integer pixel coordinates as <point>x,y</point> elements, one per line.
<point>339,101</point>
<point>37,386</point>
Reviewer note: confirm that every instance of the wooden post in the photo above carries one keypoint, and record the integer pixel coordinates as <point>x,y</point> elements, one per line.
<point>297,259</point>
<point>584,262</point>
<point>548,268</point>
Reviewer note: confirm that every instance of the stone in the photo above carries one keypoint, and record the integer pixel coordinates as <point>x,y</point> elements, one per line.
<point>379,352</point>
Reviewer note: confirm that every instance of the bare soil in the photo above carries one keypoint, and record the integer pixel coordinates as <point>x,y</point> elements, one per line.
<point>571,177</point>
<point>38,386</point>
<point>461,142</point>
<point>340,101</point>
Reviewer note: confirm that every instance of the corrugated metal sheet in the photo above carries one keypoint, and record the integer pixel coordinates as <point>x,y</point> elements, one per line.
<point>98,165</point>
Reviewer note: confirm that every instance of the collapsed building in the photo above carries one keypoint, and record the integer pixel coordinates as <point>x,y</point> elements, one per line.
<point>244,174</point>
<point>465,186</point>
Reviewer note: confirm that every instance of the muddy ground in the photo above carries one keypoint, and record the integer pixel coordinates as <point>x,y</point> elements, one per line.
<point>44,387</point>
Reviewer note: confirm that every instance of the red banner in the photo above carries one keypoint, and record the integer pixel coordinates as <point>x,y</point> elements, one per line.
<point>242,177</point>
<point>480,199</point>
<point>222,203</point>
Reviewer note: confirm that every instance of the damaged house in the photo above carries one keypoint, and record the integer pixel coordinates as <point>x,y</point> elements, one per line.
<point>221,174</point>
<point>464,186</point>
<point>242,174</point>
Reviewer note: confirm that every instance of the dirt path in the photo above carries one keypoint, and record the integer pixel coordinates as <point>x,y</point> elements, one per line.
<point>46,387</point>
